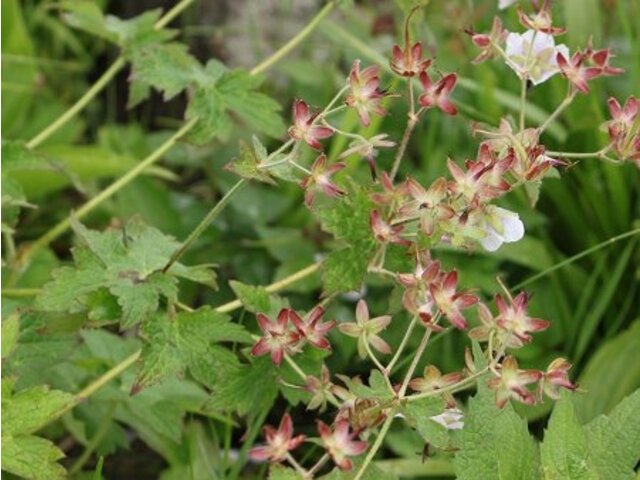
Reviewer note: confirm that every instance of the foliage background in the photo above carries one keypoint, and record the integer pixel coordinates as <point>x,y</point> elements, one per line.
<point>267,233</point>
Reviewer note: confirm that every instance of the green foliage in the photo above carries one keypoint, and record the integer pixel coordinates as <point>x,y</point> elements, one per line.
<point>23,413</point>
<point>612,373</point>
<point>279,472</point>
<point>247,388</point>
<point>613,439</point>
<point>128,263</point>
<point>247,164</point>
<point>348,221</point>
<point>564,452</point>
<point>10,332</point>
<point>220,93</point>
<point>418,415</point>
<point>495,443</point>
<point>257,299</point>
<point>186,340</point>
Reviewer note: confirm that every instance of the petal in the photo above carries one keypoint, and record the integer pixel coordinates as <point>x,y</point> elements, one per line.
<point>286,426</point>
<point>362,311</point>
<point>264,323</point>
<point>260,454</point>
<point>351,329</point>
<point>379,344</point>
<point>260,348</point>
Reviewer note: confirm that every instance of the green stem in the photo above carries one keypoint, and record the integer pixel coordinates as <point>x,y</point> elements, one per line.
<point>411,123</point>
<point>80,104</point>
<point>597,154</point>
<point>578,256</point>
<point>101,83</point>
<point>375,447</point>
<point>403,344</point>
<point>20,292</point>
<point>414,363</point>
<point>213,213</point>
<point>291,44</point>
<point>103,428</point>
<point>523,102</point>
<point>63,225</point>
<point>564,104</point>
<point>276,286</point>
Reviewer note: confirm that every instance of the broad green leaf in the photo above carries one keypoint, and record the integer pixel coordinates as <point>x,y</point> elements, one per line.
<point>86,15</point>
<point>27,411</point>
<point>128,262</point>
<point>372,472</point>
<point>418,414</point>
<point>185,341</point>
<point>614,439</point>
<point>564,453</point>
<point>250,388</point>
<point>280,472</point>
<point>611,373</point>
<point>495,443</point>
<point>167,68</point>
<point>231,92</point>
<point>348,221</point>
<point>32,457</point>
<point>10,332</point>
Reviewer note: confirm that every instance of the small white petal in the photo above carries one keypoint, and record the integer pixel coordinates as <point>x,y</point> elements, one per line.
<point>502,4</point>
<point>513,228</point>
<point>451,419</point>
<point>492,241</point>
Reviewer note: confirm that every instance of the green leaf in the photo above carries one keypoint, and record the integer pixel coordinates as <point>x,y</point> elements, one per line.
<point>127,262</point>
<point>613,439</point>
<point>280,472</point>
<point>231,92</point>
<point>167,68</point>
<point>257,299</point>
<point>10,332</point>
<point>348,221</point>
<point>87,16</point>
<point>418,414</point>
<point>250,388</point>
<point>495,443</point>
<point>612,373</point>
<point>29,410</point>
<point>247,165</point>
<point>564,452</point>
<point>185,341</point>
<point>31,457</point>
<point>372,472</point>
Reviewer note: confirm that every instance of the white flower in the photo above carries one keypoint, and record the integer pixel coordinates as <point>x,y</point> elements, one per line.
<point>501,226</point>
<point>502,4</point>
<point>535,62</point>
<point>451,419</point>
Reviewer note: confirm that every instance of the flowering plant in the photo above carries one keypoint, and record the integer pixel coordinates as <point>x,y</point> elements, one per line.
<point>383,227</point>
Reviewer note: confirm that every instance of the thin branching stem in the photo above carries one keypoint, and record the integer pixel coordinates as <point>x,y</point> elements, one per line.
<point>99,84</point>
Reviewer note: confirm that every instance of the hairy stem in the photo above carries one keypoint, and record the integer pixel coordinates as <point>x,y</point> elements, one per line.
<point>375,447</point>
<point>291,44</point>
<point>101,83</point>
<point>202,226</point>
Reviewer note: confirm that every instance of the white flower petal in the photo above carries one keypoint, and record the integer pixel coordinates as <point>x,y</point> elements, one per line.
<point>512,226</point>
<point>502,4</point>
<point>492,241</point>
<point>451,419</point>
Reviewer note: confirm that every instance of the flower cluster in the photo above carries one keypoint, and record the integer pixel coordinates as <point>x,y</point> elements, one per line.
<point>288,333</point>
<point>459,209</point>
<point>624,129</point>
